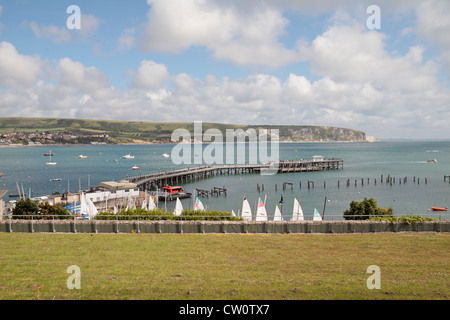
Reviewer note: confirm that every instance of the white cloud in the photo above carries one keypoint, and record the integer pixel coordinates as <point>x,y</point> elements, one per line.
<point>52,33</point>
<point>126,40</point>
<point>61,34</point>
<point>233,35</point>
<point>150,75</point>
<point>89,25</point>
<point>433,24</point>
<point>16,70</point>
<point>363,58</point>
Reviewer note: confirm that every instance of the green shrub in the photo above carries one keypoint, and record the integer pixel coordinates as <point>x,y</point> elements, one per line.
<point>32,209</point>
<point>366,209</point>
<point>161,214</point>
<point>403,219</point>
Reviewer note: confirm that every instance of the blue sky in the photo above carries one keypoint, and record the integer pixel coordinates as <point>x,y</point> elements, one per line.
<point>255,62</point>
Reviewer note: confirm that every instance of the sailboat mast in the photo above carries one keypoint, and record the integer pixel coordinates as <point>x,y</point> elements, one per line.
<point>324,205</point>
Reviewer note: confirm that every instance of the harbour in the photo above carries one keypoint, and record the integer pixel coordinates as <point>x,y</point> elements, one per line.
<point>394,173</point>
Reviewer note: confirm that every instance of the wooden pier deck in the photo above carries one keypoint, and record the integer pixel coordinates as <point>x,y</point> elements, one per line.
<point>161,179</point>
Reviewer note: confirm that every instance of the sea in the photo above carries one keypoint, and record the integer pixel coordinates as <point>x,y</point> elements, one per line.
<point>425,187</point>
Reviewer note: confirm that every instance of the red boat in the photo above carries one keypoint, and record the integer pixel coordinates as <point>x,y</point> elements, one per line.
<point>171,193</point>
<point>173,190</point>
<point>439,209</point>
<point>48,154</point>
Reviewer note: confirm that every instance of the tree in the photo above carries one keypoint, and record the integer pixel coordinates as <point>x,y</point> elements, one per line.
<point>365,210</point>
<point>25,208</point>
<point>52,211</point>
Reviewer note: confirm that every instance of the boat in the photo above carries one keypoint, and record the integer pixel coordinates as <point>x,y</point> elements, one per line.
<point>87,207</point>
<point>56,179</point>
<point>173,192</point>
<point>439,208</point>
<point>165,155</point>
<point>277,215</point>
<point>317,216</point>
<point>51,163</point>
<point>297,212</point>
<point>135,168</point>
<point>178,208</point>
<point>82,157</point>
<point>128,156</point>
<point>151,203</point>
<point>246,210</point>
<point>48,154</point>
<point>261,213</point>
<point>432,161</point>
<point>198,206</point>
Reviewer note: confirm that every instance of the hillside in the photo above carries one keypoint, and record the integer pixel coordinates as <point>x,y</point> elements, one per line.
<point>115,132</point>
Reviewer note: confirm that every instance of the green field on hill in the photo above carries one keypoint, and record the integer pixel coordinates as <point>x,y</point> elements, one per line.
<point>224,266</point>
<point>135,131</point>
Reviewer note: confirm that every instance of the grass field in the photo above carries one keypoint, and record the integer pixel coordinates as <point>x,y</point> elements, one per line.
<point>224,266</point>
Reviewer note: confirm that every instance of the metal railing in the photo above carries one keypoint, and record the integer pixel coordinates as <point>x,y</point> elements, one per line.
<point>200,217</point>
<point>207,223</point>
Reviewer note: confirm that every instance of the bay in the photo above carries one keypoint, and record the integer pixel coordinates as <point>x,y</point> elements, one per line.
<point>367,161</point>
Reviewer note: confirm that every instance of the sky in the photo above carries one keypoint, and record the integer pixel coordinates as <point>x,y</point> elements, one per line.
<point>257,62</point>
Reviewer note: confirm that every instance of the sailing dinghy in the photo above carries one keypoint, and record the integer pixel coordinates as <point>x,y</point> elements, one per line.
<point>297,212</point>
<point>277,216</point>
<point>261,213</point>
<point>246,210</point>
<point>317,216</point>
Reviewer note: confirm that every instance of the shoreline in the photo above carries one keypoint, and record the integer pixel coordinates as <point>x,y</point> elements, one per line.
<point>160,143</point>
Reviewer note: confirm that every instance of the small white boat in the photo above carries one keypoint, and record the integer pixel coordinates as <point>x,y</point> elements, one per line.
<point>261,212</point>
<point>246,210</point>
<point>56,179</point>
<point>82,157</point>
<point>165,155</point>
<point>128,156</point>
<point>432,161</point>
<point>51,163</point>
<point>135,168</point>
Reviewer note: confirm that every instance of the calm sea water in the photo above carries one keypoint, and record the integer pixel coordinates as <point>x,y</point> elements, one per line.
<point>399,159</point>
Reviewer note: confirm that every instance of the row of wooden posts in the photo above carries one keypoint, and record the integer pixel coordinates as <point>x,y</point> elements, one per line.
<point>215,191</point>
<point>389,181</point>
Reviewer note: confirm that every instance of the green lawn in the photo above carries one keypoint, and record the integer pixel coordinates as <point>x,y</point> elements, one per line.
<point>224,266</point>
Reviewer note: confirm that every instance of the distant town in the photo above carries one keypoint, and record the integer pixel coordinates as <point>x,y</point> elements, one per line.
<point>37,139</point>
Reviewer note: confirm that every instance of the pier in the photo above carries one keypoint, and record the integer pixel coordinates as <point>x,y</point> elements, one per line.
<point>161,179</point>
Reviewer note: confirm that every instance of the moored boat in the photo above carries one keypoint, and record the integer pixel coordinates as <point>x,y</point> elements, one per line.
<point>173,192</point>
<point>51,163</point>
<point>439,208</point>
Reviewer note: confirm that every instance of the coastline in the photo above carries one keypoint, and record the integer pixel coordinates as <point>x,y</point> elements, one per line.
<point>159,143</point>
